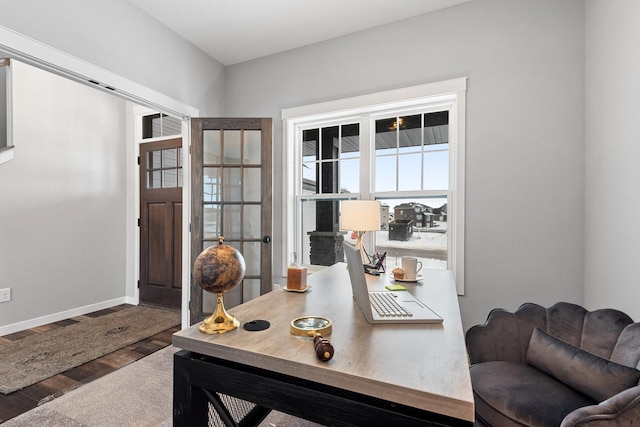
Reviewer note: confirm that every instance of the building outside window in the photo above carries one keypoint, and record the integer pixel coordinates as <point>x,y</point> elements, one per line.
<point>408,153</point>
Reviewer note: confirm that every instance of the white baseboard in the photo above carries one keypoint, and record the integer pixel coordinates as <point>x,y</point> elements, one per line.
<point>56,317</point>
<point>132,300</point>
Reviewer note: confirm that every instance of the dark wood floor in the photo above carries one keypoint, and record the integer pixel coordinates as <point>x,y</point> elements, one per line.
<point>14,404</point>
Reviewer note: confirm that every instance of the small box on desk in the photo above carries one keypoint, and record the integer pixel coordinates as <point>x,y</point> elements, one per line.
<point>296,277</point>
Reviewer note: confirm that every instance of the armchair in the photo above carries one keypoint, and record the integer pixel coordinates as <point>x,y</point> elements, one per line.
<point>557,366</point>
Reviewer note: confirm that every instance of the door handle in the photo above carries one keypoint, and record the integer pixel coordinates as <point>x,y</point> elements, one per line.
<point>266,239</point>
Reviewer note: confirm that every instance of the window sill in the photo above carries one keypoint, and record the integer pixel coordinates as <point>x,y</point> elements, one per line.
<point>6,154</point>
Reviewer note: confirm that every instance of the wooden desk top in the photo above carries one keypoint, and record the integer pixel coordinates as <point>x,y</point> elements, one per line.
<point>424,366</point>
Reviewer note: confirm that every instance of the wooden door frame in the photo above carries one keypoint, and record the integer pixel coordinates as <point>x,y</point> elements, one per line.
<point>135,112</point>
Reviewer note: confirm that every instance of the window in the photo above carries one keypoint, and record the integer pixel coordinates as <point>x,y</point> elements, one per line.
<point>404,148</point>
<point>164,168</point>
<point>160,125</point>
<point>331,159</point>
<point>6,146</point>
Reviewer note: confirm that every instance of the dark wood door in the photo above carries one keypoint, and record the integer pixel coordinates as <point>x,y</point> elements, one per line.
<point>161,223</point>
<point>231,197</point>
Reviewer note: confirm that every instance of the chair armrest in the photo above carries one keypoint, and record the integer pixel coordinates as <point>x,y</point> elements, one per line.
<point>623,409</point>
<point>504,336</point>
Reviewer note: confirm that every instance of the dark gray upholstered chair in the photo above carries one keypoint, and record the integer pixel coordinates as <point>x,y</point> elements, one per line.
<point>557,366</point>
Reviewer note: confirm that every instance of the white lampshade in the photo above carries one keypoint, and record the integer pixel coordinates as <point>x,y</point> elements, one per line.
<point>360,215</point>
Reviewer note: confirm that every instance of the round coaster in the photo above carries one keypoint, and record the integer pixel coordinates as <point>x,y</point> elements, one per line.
<point>257,325</point>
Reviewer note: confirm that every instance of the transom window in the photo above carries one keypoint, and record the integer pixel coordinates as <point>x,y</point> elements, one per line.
<point>404,148</point>
<point>160,125</point>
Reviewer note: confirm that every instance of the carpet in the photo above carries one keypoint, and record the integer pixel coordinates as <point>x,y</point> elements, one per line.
<point>41,356</point>
<point>137,395</point>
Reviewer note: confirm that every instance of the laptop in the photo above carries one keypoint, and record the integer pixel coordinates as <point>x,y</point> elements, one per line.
<point>412,310</point>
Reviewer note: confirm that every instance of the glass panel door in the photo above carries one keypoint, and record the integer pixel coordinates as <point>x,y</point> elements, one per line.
<point>231,197</point>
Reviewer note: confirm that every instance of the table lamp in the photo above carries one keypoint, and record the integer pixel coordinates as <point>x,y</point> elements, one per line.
<point>360,216</point>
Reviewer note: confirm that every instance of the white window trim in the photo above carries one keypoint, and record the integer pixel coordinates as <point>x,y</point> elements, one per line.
<point>451,92</point>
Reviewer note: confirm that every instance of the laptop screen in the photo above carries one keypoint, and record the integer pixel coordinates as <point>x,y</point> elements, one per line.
<point>358,279</point>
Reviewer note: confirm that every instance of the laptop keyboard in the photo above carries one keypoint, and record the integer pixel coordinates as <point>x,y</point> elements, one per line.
<point>386,305</point>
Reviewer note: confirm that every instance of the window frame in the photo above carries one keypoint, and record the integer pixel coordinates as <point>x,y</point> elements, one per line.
<point>446,95</point>
<point>6,148</point>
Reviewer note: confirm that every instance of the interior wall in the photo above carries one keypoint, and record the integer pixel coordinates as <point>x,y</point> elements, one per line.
<point>612,154</point>
<point>526,210</point>
<point>119,37</point>
<point>62,198</point>
<point>525,130</point>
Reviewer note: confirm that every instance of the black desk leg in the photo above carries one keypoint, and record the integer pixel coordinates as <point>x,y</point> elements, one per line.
<point>194,402</point>
<point>190,404</point>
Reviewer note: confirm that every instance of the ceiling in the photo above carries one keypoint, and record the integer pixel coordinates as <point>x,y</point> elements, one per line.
<point>234,31</point>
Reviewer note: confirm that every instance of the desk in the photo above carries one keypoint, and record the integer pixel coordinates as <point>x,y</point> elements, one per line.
<point>380,374</point>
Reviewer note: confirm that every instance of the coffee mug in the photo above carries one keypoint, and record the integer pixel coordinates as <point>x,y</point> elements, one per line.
<point>410,267</point>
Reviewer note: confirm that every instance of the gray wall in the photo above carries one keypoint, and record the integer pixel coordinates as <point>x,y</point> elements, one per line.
<point>525,130</point>
<point>612,233</point>
<point>119,37</point>
<point>527,185</point>
<point>62,198</point>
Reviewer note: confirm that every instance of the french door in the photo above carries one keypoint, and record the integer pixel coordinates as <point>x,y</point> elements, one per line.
<point>231,197</point>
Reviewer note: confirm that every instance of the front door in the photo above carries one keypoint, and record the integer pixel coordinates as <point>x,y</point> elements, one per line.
<point>231,197</point>
<point>161,223</point>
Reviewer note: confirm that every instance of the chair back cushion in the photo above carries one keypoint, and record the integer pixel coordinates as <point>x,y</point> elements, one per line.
<point>597,377</point>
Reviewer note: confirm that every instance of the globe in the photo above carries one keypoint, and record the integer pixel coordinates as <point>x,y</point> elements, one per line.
<point>219,268</point>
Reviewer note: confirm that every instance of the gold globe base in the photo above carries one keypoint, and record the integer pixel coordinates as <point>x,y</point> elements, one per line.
<point>220,321</point>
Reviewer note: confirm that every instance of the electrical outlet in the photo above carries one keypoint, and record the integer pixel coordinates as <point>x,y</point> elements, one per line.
<point>5,294</point>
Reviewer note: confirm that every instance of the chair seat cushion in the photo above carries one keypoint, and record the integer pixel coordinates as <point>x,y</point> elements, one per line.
<point>534,399</point>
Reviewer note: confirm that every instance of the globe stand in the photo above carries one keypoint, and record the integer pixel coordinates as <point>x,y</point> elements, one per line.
<point>220,321</point>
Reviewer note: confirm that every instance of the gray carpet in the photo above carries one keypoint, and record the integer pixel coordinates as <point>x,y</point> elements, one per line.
<point>139,394</point>
<point>41,356</point>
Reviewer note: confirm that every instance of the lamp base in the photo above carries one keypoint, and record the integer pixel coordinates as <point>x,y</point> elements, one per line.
<point>363,255</point>
<point>220,321</point>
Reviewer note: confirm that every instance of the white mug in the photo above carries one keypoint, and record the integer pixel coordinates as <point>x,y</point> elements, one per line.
<point>410,267</point>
